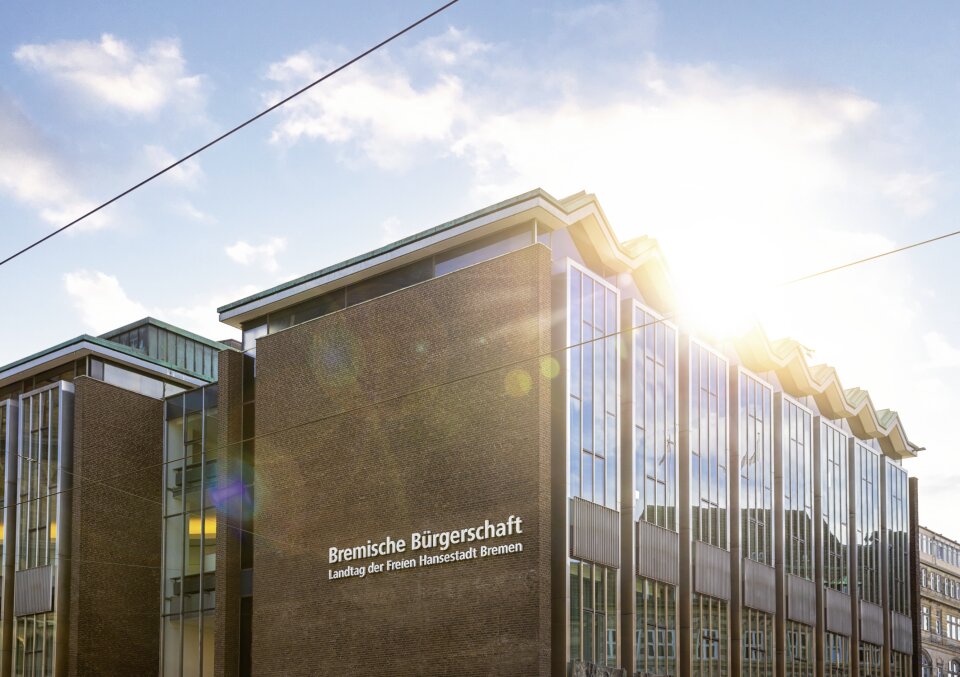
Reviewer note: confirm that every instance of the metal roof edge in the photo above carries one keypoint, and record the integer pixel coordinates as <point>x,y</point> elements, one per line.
<point>106,345</point>
<point>386,249</point>
<point>169,327</point>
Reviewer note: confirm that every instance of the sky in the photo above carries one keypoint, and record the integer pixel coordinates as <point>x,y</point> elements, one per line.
<point>757,142</point>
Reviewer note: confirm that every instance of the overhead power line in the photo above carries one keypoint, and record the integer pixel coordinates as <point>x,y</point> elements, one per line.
<point>422,389</point>
<point>869,258</point>
<point>106,482</point>
<point>223,136</point>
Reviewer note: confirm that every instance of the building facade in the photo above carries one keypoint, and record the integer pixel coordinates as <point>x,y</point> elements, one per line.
<point>81,424</point>
<point>491,448</point>
<point>698,508</point>
<point>939,605</point>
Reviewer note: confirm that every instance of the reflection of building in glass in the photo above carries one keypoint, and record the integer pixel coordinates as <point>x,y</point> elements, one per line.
<point>690,507</point>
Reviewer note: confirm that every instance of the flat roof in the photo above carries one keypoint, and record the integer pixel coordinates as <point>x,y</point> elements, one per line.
<point>87,344</point>
<point>393,246</point>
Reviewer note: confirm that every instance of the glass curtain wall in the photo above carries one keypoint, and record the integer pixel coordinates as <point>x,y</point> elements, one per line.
<point>867,497</point>
<point>593,613</point>
<point>5,413</point>
<point>835,508</point>
<point>836,655</point>
<point>871,660</point>
<point>798,489</point>
<point>758,649</point>
<point>710,637</point>
<point>900,665</point>
<point>655,420</point>
<point>756,469</point>
<point>799,651</point>
<point>190,533</point>
<point>898,537</point>
<point>867,533</point>
<point>38,518</point>
<point>756,511</point>
<point>709,451</point>
<point>656,641</point>
<point>593,376</point>
<point>708,446</point>
<point>655,480</point>
<point>798,523</point>
<point>160,344</point>
<point>835,520</point>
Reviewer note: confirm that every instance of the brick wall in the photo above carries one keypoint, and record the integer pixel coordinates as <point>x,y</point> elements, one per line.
<point>116,532</point>
<point>396,453</point>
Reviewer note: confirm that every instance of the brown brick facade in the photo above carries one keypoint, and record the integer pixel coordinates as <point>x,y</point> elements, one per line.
<point>411,439</point>
<point>116,532</point>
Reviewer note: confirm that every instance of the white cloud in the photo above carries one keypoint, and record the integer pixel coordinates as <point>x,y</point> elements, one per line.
<point>103,305</point>
<point>263,255</point>
<point>34,175</point>
<point>191,211</point>
<point>942,354</point>
<point>913,192</point>
<point>101,301</point>
<point>374,104</point>
<point>110,72</point>
<point>452,47</point>
<point>188,174</point>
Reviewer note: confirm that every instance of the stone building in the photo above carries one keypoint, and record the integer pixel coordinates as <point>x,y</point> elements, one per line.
<point>939,605</point>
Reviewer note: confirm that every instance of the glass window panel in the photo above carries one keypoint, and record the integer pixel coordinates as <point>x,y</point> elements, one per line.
<point>393,280</point>
<point>483,249</point>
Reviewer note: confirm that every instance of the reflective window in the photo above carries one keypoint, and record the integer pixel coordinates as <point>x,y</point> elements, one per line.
<point>38,517</point>
<point>593,373</point>
<point>835,507</point>
<point>898,538</point>
<point>708,445</point>
<point>655,419</point>
<point>867,489</point>
<point>174,348</point>
<point>756,468</point>
<point>483,249</point>
<point>710,636</point>
<point>836,655</point>
<point>797,431</point>
<point>871,660</point>
<point>757,643</point>
<point>189,532</point>
<point>656,638</point>
<point>593,613</point>
<point>800,656</point>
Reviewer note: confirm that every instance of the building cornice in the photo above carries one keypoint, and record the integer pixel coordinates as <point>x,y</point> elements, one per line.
<point>798,377</point>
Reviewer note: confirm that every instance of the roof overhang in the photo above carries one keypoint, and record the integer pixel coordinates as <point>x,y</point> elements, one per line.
<point>645,262</point>
<point>797,376</point>
<point>89,345</point>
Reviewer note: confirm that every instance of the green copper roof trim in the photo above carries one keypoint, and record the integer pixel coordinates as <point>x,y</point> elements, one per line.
<point>536,192</point>
<point>104,343</point>
<point>169,327</point>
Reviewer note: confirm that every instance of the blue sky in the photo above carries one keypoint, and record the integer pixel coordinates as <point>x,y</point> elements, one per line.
<point>781,139</point>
